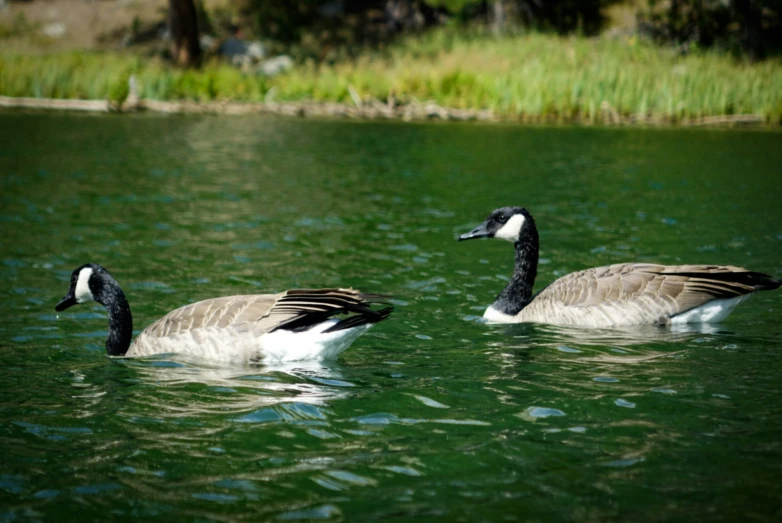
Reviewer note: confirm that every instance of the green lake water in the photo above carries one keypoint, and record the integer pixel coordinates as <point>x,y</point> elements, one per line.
<point>430,416</point>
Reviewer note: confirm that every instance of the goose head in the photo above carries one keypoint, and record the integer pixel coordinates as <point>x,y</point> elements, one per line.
<point>93,282</point>
<point>88,282</point>
<point>505,223</point>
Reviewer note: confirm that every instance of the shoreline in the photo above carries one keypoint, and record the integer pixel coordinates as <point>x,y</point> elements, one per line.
<point>524,79</point>
<point>369,110</point>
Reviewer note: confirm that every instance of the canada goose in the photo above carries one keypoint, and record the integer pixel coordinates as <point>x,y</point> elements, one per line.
<point>618,295</point>
<point>288,326</point>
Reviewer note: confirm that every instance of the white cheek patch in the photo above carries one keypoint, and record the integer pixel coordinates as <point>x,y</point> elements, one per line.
<point>83,292</point>
<point>510,231</point>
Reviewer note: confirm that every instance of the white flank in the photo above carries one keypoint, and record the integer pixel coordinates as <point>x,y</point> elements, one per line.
<point>313,344</point>
<point>510,231</point>
<point>83,292</point>
<point>713,311</point>
<point>242,345</point>
<point>496,316</point>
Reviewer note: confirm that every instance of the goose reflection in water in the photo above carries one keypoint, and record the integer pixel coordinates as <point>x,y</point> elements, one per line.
<point>549,366</point>
<point>234,389</point>
<point>615,345</point>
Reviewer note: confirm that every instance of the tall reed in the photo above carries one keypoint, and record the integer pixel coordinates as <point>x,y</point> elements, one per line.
<point>531,76</point>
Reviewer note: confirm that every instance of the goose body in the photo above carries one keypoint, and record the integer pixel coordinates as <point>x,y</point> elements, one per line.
<point>287,326</point>
<point>617,295</point>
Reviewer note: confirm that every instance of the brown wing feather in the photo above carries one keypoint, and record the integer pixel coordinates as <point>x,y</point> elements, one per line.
<point>681,286</point>
<point>265,312</point>
<point>215,312</point>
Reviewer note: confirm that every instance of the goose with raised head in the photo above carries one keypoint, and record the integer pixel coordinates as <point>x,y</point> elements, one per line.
<point>288,326</point>
<point>624,294</point>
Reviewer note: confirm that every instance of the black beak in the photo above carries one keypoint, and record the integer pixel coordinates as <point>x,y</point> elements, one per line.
<point>68,301</point>
<point>479,232</point>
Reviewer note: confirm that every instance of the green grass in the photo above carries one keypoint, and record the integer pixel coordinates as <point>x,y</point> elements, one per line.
<point>532,77</point>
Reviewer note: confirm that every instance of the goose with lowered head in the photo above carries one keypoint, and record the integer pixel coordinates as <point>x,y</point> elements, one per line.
<point>288,326</point>
<point>623,294</point>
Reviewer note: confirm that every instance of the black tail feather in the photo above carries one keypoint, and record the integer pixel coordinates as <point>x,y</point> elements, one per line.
<point>316,306</point>
<point>361,319</point>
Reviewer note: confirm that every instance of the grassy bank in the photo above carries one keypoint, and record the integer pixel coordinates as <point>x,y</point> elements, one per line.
<point>533,77</point>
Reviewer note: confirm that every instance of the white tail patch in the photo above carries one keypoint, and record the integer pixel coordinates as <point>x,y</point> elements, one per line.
<point>510,231</point>
<point>82,293</point>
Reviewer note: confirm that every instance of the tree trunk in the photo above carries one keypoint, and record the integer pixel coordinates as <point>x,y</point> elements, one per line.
<point>673,22</point>
<point>752,26</point>
<point>183,30</point>
<point>497,17</point>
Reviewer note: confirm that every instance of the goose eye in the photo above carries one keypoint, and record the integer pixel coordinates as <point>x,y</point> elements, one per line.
<point>502,218</point>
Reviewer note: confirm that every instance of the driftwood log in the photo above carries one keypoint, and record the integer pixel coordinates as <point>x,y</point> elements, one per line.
<point>363,109</point>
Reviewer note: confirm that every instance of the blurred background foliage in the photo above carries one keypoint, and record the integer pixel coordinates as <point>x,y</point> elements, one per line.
<point>665,60</point>
<point>316,27</point>
<point>333,29</point>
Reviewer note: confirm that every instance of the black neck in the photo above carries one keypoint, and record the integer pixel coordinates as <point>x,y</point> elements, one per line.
<point>120,320</point>
<point>518,293</point>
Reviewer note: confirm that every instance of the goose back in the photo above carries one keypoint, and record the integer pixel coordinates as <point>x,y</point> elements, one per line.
<point>639,293</point>
<point>239,327</point>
